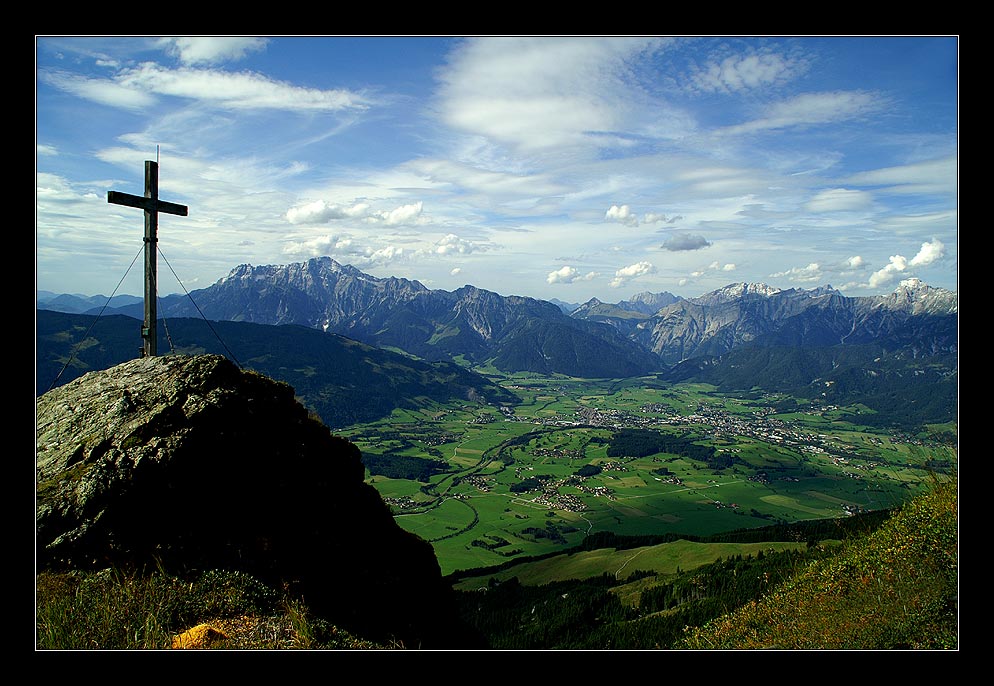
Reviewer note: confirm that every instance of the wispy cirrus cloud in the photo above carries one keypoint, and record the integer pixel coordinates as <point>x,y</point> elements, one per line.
<point>140,87</point>
<point>538,94</point>
<point>811,109</point>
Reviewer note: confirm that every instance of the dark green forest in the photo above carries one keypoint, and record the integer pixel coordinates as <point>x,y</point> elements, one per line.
<point>903,391</point>
<point>342,381</point>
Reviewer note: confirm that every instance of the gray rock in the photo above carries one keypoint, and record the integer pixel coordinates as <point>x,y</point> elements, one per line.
<point>189,463</point>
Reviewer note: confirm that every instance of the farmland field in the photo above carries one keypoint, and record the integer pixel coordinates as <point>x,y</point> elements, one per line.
<point>487,485</point>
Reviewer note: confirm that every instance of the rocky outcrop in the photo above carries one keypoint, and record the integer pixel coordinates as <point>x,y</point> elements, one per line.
<point>190,463</point>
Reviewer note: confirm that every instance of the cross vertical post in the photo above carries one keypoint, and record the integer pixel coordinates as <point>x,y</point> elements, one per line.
<point>151,204</point>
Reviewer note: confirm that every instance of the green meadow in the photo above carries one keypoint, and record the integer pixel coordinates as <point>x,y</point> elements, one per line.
<point>488,485</point>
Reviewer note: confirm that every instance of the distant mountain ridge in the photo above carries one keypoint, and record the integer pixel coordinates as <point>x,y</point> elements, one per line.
<point>514,332</point>
<point>740,314</point>
<point>78,303</point>
<point>638,336</point>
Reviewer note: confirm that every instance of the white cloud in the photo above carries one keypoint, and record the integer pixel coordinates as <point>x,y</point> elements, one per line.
<point>211,49</point>
<point>319,212</point>
<point>884,276</point>
<point>401,215</point>
<point>652,218</point>
<point>565,275</point>
<point>569,274</point>
<point>237,91</point>
<point>808,274</point>
<point>622,214</point>
<point>99,91</point>
<point>452,244</point>
<point>839,200</point>
<point>537,93</point>
<point>930,176</point>
<point>855,262</point>
<point>319,246</point>
<point>747,72</point>
<point>813,109</point>
<point>456,271</point>
<point>929,253</point>
<point>386,255</point>
<point>632,271</point>
<point>137,88</point>
<point>344,247</point>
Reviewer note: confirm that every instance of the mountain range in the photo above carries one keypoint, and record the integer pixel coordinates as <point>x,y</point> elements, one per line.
<point>645,334</point>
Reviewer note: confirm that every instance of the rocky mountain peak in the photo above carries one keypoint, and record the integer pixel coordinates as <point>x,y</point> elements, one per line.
<point>190,462</point>
<point>914,296</point>
<point>736,291</point>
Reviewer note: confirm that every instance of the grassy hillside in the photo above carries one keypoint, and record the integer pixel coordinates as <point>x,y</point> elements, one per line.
<point>890,587</point>
<point>893,589</point>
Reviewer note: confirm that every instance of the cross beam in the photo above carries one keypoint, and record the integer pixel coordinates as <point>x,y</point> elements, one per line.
<point>151,204</point>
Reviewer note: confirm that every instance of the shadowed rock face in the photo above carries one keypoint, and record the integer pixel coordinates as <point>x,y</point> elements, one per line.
<point>190,462</point>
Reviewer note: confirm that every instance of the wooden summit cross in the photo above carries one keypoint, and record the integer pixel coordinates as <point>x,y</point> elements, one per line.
<point>152,206</point>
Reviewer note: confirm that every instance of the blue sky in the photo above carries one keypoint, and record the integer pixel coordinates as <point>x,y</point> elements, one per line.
<point>551,167</point>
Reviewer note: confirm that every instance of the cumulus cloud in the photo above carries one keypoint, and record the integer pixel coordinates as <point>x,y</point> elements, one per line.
<point>855,262</point>
<point>452,244</point>
<point>929,253</point>
<point>632,271</point>
<point>211,49</point>
<point>652,218</point>
<point>404,214</point>
<point>884,276</point>
<point>685,242</point>
<point>318,246</point>
<point>344,247</point>
<point>622,214</point>
<point>319,212</point>
<point>386,254</point>
<point>456,271</point>
<point>810,273</point>
<point>840,200</point>
<point>715,266</point>
<point>569,274</point>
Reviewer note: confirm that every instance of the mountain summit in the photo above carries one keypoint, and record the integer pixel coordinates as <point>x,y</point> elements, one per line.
<point>515,333</point>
